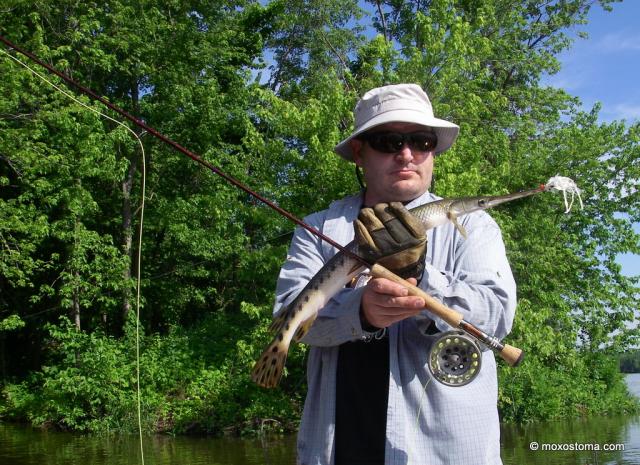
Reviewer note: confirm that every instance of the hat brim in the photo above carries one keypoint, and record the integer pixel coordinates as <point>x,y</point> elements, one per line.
<point>447,132</point>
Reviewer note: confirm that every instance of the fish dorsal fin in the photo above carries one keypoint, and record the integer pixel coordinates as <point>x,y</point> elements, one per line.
<point>454,219</point>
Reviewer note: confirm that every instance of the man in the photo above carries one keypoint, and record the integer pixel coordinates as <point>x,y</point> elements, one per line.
<point>371,399</point>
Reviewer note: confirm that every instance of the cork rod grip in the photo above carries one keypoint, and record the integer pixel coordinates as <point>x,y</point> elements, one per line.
<point>510,354</point>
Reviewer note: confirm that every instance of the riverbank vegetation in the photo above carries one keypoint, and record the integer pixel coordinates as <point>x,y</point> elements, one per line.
<point>264,90</point>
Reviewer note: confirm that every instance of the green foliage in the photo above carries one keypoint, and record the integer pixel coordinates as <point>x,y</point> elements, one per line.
<point>11,323</point>
<point>265,92</point>
<point>88,388</point>
<point>587,384</point>
<point>190,382</point>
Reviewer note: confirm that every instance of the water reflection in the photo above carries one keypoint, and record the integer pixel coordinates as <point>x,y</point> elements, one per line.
<point>25,446</point>
<point>586,438</point>
<point>573,442</point>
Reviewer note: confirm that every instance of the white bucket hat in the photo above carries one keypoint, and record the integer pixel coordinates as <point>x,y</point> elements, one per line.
<point>406,103</point>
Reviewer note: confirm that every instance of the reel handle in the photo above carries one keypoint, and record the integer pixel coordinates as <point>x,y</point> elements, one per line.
<point>510,354</point>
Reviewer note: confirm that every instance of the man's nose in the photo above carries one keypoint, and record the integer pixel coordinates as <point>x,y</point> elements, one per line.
<point>404,154</point>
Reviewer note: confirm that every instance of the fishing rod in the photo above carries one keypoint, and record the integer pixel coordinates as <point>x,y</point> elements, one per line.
<point>512,355</point>
<point>175,145</point>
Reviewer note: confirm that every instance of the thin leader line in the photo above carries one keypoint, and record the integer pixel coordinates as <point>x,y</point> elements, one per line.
<point>142,207</point>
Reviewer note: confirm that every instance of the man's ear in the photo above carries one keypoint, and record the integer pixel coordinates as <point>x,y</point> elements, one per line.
<point>356,148</point>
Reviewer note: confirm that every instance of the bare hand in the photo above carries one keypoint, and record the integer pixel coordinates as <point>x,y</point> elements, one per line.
<point>385,302</point>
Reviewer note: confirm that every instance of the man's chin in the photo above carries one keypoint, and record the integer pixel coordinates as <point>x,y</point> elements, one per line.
<point>406,191</point>
<point>402,191</point>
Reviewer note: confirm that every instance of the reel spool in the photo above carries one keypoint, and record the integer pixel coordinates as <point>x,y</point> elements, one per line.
<point>455,359</point>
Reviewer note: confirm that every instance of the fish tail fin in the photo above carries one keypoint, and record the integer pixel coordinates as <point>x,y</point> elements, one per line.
<point>268,369</point>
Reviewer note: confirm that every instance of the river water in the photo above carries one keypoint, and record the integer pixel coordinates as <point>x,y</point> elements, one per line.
<point>571,442</point>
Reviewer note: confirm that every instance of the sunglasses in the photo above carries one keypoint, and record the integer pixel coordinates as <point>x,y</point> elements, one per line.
<point>393,142</point>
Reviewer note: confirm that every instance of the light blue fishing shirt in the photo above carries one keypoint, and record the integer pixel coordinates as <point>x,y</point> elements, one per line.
<point>436,425</point>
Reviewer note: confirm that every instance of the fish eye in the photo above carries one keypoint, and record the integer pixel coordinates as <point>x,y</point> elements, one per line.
<point>482,202</point>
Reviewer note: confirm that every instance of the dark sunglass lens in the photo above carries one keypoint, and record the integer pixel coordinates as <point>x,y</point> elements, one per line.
<point>423,141</point>
<point>392,142</point>
<point>386,142</point>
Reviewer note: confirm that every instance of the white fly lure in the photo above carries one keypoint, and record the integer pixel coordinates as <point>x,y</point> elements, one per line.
<point>564,185</point>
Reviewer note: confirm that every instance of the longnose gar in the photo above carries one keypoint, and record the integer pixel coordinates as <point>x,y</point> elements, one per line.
<point>294,320</point>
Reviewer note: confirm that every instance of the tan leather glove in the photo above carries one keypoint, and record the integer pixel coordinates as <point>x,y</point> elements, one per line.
<point>389,235</point>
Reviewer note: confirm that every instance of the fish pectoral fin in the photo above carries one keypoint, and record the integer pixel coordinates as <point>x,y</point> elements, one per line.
<point>454,219</point>
<point>304,328</point>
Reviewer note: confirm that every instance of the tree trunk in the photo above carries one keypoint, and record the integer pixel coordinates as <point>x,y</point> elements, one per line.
<point>127,211</point>
<point>75,310</point>
<point>127,236</point>
<point>3,359</point>
<point>76,306</point>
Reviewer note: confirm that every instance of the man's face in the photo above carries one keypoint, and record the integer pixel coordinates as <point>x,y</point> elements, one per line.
<point>394,177</point>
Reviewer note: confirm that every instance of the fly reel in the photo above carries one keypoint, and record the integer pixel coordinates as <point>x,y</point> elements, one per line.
<point>455,359</point>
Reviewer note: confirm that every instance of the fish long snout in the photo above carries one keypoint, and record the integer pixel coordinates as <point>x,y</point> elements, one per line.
<point>471,204</point>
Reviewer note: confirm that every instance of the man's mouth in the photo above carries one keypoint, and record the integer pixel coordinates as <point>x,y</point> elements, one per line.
<point>403,173</point>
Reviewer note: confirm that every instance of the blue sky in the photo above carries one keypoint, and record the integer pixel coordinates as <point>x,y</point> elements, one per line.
<point>605,68</point>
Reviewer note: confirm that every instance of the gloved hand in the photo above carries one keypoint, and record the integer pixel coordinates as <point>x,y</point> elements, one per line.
<point>389,235</point>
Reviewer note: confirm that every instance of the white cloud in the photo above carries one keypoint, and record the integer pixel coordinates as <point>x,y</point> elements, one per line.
<point>619,42</point>
<point>624,111</point>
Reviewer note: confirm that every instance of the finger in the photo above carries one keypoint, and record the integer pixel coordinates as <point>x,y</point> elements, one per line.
<point>381,211</point>
<point>410,222</point>
<point>396,316</point>
<point>399,304</point>
<point>393,226</point>
<point>369,219</point>
<point>363,236</point>
<point>387,287</point>
<point>382,317</point>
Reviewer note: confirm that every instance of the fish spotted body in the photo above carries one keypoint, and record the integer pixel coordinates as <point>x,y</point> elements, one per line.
<point>293,321</point>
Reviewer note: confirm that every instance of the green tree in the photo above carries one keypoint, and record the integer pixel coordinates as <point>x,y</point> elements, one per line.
<point>482,64</point>
<point>70,195</point>
<point>94,179</point>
